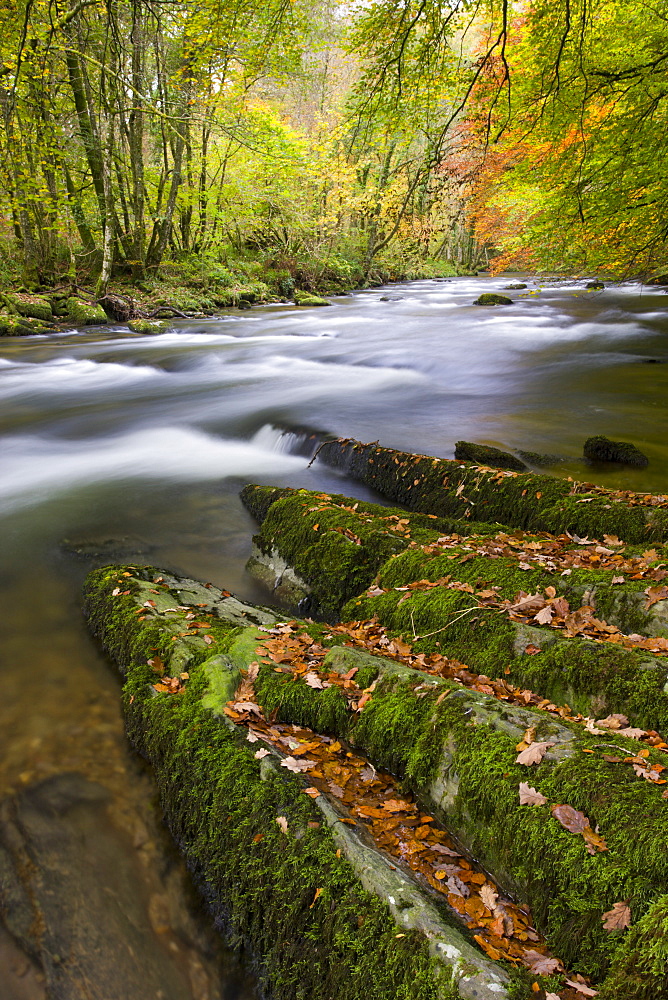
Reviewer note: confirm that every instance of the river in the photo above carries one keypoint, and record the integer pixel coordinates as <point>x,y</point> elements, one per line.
<point>116,446</point>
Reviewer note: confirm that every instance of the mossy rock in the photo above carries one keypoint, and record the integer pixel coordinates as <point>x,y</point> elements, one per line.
<point>306,299</point>
<point>483,454</point>
<point>35,306</point>
<point>85,313</point>
<point>454,748</point>
<point>522,500</point>
<point>492,299</point>
<point>327,550</point>
<point>148,326</point>
<point>602,449</point>
<point>19,327</point>
<point>371,933</point>
<point>541,459</point>
<point>314,553</point>
<point>516,287</point>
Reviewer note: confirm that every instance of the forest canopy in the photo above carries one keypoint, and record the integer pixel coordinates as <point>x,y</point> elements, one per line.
<point>318,140</point>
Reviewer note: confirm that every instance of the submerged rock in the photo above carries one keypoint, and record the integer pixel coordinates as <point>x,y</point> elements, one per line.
<point>516,287</point>
<point>483,454</point>
<point>602,449</point>
<point>541,459</point>
<point>492,299</point>
<point>68,896</point>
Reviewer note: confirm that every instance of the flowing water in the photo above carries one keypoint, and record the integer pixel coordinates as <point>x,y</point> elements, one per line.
<point>121,447</point>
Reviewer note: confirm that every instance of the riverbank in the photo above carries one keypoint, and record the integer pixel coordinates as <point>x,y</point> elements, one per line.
<point>194,290</point>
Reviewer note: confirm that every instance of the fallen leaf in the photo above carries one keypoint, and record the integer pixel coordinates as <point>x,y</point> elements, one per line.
<point>313,680</point>
<point>315,898</point>
<point>259,754</point>
<point>297,766</point>
<point>312,791</point>
<point>544,616</point>
<point>283,823</point>
<point>489,896</point>
<point>529,796</point>
<point>618,918</point>
<point>571,819</point>
<point>542,965</point>
<point>582,988</point>
<point>534,753</point>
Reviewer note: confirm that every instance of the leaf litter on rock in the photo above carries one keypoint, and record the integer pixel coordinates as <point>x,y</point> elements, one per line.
<point>367,797</point>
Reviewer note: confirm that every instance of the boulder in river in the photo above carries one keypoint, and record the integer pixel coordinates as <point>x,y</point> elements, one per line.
<point>602,449</point>
<point>483,454</point>
<point>149,326</point>
<point>492,299</point>
<point>595,286</point>
<point>515,287</point>
<point>307,299</point>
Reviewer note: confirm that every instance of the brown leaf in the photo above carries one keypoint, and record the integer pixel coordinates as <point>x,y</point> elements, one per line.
<point>283,823</point>
<point>534,753</point>
<point>397,805</point>
<point>313,680</point>
<point>613,722</point>
<point>259,754</point>
<point>586,991</point>
<point>542,965</point>
<point>544,616</point>
<point>247,706</point>
<point>297,766</point>
<point>312,791</point>
<point>489,896</point>
<point>315,898</point>
<point>618,918</point>
<point>571,819</point>
<point>529,796</point>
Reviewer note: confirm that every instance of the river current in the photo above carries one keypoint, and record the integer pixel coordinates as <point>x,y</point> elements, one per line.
<point>121,447</point>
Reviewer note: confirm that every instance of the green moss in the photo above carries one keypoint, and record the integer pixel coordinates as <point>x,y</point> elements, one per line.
<point>337,545</point>
<point>85,313</point>
<point>306,299</point>
<point>593,678</point>
<point>483,454</point>
<point>35,306</point>
<point>457,754</point>
<point>148,325</point>
<point>540,503</point>
<point>640,968</point>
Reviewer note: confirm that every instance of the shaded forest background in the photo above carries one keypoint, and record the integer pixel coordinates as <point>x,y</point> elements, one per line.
<point>325,144</point>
